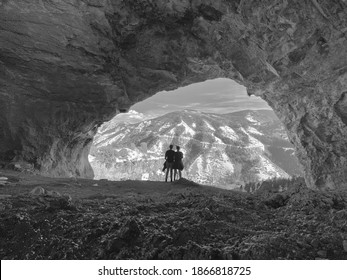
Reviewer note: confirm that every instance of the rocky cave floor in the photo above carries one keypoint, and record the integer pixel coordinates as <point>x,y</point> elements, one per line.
<point>47,218</point>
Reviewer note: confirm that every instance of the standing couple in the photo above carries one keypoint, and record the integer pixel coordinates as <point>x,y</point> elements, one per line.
<point>173,161</point>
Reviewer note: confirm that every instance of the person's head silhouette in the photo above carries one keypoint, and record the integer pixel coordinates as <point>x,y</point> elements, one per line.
<point>171,147</point>
<point>177,148</point>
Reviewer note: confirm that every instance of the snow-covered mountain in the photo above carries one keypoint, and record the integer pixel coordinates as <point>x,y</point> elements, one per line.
<point>221,150</point>
<point>131,117</point>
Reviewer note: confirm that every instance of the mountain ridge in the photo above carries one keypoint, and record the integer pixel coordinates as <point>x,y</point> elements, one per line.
<point>221,149</point>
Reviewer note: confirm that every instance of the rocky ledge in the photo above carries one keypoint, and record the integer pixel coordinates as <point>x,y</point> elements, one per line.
<point>68,65</point>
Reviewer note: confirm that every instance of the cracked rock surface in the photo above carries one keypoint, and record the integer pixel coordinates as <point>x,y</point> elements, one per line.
<point>68,65</point>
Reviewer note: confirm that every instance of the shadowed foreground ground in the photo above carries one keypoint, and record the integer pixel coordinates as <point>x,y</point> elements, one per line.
<point>76,219</point>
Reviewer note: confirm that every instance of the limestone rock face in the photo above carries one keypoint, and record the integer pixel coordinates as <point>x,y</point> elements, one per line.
<point>68,65</point>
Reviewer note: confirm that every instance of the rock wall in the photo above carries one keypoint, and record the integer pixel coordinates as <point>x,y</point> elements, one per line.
<point>68,65</point>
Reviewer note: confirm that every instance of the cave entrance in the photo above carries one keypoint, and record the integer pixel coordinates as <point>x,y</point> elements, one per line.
<point>227,137</point>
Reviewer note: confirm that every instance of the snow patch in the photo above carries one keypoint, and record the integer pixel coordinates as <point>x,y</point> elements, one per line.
<point>164,126</point>
<point>159,172</point>
<point>227,163</point>
<point>197,164</point>
<point>157,148</point>
<point>102,141</point>
<point>217,140</point>
<point>220,164</point>
<point>267,170</point>
<point>229,132</point>
<point>251,119</point>
<point>209,126</point>
<point>253,142</point>
<point>187,129</point>
<point>127,154</point>
<point>172,131</point>
<point>91,158</point>
<point>254,131</point>
<point>145,177</point>
<point>140,126</point>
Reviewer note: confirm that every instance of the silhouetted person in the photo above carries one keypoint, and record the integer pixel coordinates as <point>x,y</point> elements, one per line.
<point>178,164</point>
<point>169,157</point>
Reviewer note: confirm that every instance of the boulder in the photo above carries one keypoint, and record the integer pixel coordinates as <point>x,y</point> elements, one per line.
<point>38,191</point>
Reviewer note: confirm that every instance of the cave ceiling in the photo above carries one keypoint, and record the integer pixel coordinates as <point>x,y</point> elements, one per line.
<point>66,66</point>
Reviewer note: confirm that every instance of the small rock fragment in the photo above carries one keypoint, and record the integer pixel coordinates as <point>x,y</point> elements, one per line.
<point>67,197</point>
<point>53,193</point>
<point>345,245</point>
<point>38,191</point>
<point>228,253</point>
<point>232,218</point>
<point>3,181</point>
<point>322,254</point>
<point>17,166</point>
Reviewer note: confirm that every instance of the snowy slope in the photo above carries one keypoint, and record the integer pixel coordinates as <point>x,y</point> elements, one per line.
<point>222,150</point>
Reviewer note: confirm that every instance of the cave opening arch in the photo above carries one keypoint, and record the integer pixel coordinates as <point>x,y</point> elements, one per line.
<point>66,68</point>
<point>228,138</point>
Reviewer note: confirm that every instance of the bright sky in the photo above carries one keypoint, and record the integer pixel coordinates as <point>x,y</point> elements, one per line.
<point>213,96</point>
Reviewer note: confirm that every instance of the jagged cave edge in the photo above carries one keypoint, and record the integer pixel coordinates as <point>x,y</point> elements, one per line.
<point>67,67</point>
